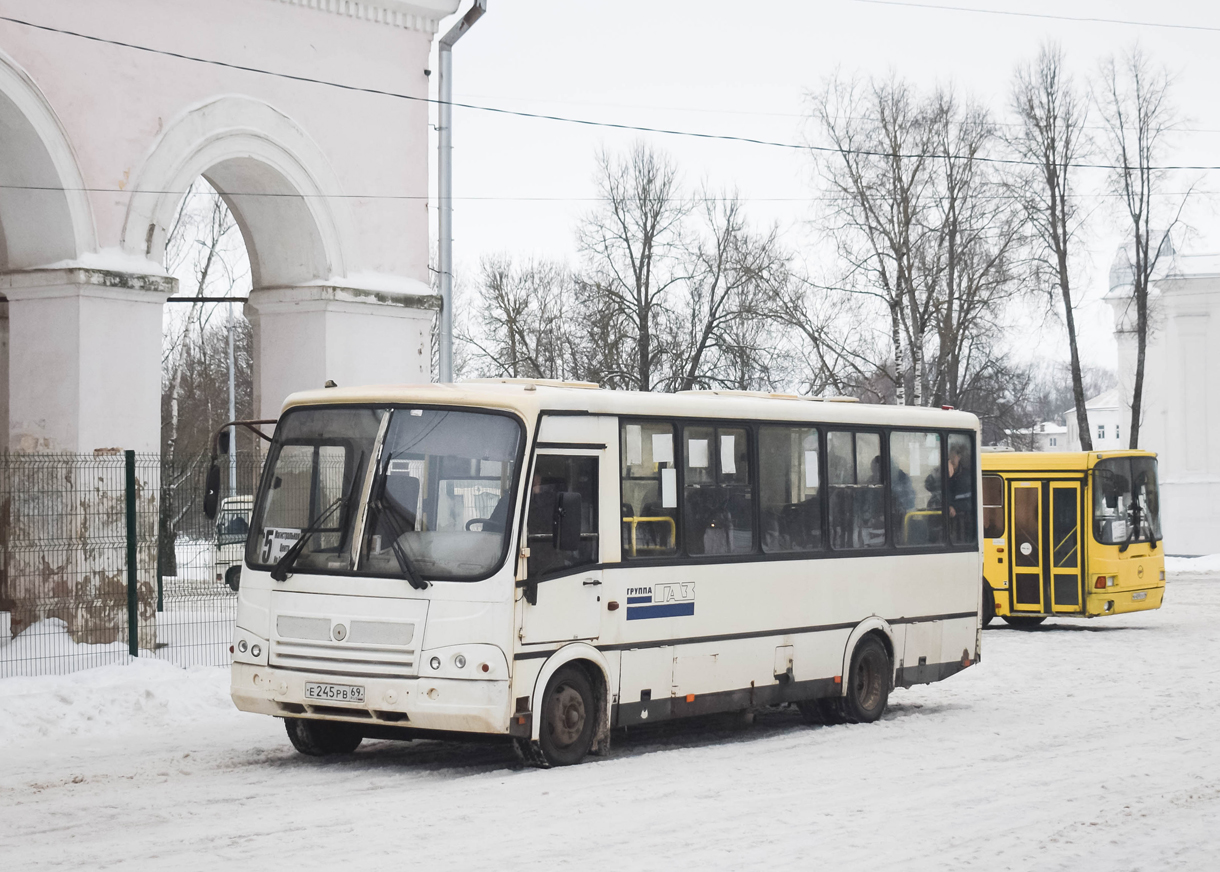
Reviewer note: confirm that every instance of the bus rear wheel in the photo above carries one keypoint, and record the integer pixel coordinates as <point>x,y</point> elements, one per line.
<point>868,688</point>
<point>988,604</point>
<point>1022,622</point>
<point>322,738</point>
<point>569,718</point>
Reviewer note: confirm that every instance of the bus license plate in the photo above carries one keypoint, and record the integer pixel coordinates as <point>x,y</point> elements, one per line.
<point>1140,595</point>
<point>335,692</point>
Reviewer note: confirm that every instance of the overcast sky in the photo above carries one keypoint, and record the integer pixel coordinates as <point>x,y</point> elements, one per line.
<point>743,69</point>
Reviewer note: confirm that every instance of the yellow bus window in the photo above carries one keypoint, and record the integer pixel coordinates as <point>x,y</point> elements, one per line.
<point>993,507</point>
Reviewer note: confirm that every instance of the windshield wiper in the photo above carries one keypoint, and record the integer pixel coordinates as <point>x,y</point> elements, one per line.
<point>284,565</point>
<point>390,515</point>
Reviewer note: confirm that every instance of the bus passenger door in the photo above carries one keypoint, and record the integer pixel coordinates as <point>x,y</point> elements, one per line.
<point>563,586</point>
<point>1027,546</point>
<point>1065,547</point>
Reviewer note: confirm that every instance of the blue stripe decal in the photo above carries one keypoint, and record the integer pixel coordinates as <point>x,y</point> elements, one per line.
<point>636,600</point>
<point>668,610</point>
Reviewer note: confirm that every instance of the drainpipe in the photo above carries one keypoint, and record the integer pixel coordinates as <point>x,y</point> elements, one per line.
<point>444,184</point>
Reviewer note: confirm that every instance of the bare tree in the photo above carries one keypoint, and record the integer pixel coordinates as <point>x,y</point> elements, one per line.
<point>632,249</point>
<point>1051,139</point>
<point>206,252</point>
<point>835,349</point>
<point>527,326</point>
<point>732,277</point>
<point>1133,98</point>
<point>975,230</point>
<point>881,178</point>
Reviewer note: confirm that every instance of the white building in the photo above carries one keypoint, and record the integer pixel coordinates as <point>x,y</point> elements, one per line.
<point>98,143</point>
<point>1047,436</point>
<point>1181,397</point>
<point>1109,419</point>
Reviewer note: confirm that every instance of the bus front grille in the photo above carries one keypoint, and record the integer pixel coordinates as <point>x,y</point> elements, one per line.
<point>337,658</point>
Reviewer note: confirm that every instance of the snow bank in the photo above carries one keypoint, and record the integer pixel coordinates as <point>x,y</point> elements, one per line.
<point>139,696</point>
<point>1193,565</point>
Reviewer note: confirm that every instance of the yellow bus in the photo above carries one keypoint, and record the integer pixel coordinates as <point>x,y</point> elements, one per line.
<point>1073,534</point>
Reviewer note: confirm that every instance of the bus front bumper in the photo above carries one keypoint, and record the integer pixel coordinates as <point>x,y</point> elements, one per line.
<point>458,705</point>
<point>1117,602</point>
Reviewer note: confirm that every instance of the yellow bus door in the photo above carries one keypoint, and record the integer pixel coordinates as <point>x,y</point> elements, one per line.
<point>1026,527</point>
<point>1065,555</point>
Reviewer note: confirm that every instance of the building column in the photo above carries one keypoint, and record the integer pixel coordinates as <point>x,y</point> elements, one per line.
<point>84,384</point>
<point>305,336</point>
<point>84,360</point>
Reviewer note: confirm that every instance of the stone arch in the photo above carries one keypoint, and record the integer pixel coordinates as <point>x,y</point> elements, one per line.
<point>44,210</point>
<point>274,178</point>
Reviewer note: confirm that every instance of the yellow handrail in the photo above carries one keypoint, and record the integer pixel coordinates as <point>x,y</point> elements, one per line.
<point>636,520</point>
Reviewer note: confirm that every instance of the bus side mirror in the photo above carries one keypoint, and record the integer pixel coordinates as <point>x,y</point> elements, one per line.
<point>211,491</point>
<point>223,442</point>
<point>567,521</point>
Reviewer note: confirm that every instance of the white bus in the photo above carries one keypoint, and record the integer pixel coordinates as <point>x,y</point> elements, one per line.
<point>548,561</point>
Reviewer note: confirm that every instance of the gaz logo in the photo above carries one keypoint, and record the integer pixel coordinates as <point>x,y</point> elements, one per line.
<point>678,592</point>
<point>1140,571</point>
<point>670,600</point>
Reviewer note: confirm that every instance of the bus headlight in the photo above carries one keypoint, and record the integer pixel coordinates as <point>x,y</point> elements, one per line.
<point>435,663</point>
<point>460,661</point>
<point>241,646</point>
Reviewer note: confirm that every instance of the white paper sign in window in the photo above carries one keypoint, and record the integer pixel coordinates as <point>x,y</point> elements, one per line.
<point>728,454</point>
<point>696,450</point>
<point>669,488</point>
<point>635,445</point>
<point>811,469</point>
<point>662,447</point>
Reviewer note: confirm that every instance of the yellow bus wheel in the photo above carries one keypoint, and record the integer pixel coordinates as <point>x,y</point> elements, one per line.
<point>988,603</point>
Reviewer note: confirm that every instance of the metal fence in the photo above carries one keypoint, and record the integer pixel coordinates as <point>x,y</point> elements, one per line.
<point>107,555</point>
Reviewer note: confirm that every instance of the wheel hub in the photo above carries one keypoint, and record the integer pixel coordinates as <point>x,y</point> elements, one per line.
<point>566,716</point>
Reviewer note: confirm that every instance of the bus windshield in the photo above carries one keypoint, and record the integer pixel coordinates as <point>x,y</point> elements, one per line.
<point>317,459</point>
<point>1126,507</point>
<point>435,505</point>
<point>442,497</point>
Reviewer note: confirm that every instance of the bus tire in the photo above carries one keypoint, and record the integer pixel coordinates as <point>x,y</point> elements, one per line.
<point>233,577</point>
<point>568,714</point>
<point>868,686</point>
<point>1022,622</point>
<point>988,603</point>
<point>322,738</point>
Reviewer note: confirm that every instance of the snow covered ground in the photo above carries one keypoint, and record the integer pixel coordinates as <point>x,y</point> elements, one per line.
<point>1076,746</point>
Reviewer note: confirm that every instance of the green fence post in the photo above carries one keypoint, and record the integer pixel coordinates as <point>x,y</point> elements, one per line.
<point>133,615</point>
<point>160,583</point>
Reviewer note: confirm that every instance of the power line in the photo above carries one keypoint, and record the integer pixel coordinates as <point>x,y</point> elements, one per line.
<point>585,122</point>
<point>1083,19</point>
<point>56,189</point>
<point>509,198</point>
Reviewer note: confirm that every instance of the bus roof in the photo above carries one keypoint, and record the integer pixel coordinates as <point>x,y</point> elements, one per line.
<point>1051,461</point>
<point>532,397</point>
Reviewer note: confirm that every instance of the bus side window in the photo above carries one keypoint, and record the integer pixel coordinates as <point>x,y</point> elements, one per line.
<point>553,475</point>
<point>717,502</point>
<point>959,489</point>
<point>789,489</point>
<point>649,489</point>
<point>916,512</point>
<point>857,490</point>
<point>993,507</point>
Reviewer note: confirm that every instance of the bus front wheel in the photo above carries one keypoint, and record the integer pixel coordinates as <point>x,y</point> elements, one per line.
<point>569,718</point>
<point>322,738</point>
<point>988,603</point>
